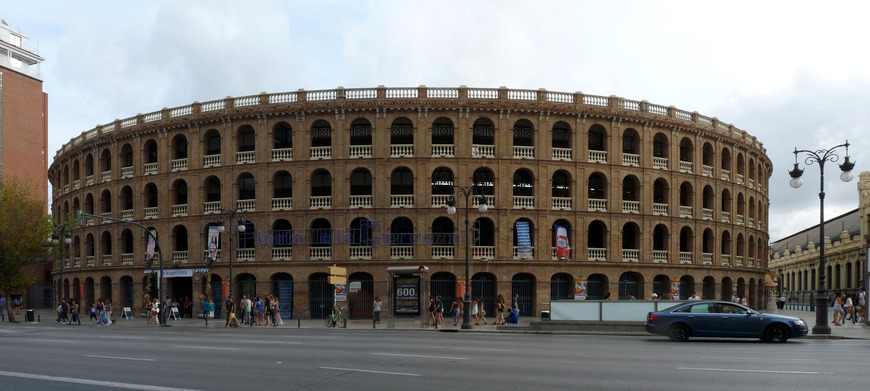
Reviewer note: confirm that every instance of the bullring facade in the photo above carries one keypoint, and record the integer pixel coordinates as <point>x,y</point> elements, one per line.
<point>361,178</point>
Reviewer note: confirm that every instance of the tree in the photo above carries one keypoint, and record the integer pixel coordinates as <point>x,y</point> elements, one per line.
<point>24,227</point>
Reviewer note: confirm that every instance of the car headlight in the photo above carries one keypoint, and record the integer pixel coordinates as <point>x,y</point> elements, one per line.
<point>799,323</point>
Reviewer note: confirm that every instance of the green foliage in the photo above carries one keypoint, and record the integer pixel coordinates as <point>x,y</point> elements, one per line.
<point>24,227</point>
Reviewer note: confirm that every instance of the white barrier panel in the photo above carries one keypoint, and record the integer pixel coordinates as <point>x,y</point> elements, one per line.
<point>607,310</point>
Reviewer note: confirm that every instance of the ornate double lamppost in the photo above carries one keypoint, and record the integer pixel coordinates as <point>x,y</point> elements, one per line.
<point>820,157</point>
<point>467,192</point>
<point>228,217</point>
<point>61,231</point>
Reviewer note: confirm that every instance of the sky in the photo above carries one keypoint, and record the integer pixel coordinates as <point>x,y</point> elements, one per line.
<point>794,74</point>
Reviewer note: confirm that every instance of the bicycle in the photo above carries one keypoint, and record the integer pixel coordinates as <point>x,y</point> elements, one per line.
<point>337,318</point>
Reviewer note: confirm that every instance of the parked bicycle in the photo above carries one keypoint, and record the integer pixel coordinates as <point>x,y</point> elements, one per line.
<point>337,318</point>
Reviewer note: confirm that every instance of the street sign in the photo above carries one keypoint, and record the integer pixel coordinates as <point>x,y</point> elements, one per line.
<point>337,280</point>
<point>337,271</point>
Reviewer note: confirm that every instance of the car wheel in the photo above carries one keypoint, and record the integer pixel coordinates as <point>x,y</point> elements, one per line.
<point>776,333</point>
<point>679,333</point>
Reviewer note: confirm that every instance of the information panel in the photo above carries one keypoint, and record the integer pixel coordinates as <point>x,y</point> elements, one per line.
<point>407,295</point>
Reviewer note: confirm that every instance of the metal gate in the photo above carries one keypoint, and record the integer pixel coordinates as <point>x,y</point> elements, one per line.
<point>284,290</point>
<point>361,303</point>
<point>628,286</point>
<point>595,286</point>
<point>484,288</point>
<point>561,287</point>
<point>524,286</point>
<point>321,296</point>
<point>218,296</point>
<point>444,285</point>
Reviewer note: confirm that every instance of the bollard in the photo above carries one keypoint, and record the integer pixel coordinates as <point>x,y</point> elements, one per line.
<point>374,324</point>
<point>299,323</point>
<point>38,318</point>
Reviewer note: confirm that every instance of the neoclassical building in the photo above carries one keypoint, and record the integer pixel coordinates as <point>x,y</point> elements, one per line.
<point>647,196</point>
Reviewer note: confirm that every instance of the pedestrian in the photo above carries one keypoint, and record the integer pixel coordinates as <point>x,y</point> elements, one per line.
<point>258,311</point>
<point>267,307</point>
<point>513,317</point>
<point>430,315</point>
<point>231,313</point>
<point>780,301</point>
<point>107,307</point>
<point>276,312</point>
<point>155,312</point>
<point>101,313</point>
<point>248,307</point>
<point>439,312</point>
<point>377,310</point>
<point>849,309</point>
<point>838,309</point>
<point>654,296</point>
<point>456,310</point>
<point>93,312</point>
<point>188,308</point>
<point>694,296</point>
<point>74,314</point>
<point>608,296</point>
<point>499,310</point>
<point>2,302</point>
<point>515,304</point>
<point>17,303</point>
<point>211,309</point>
<point>61,310</point>
<point>481,313</point>
<point>205,309</point>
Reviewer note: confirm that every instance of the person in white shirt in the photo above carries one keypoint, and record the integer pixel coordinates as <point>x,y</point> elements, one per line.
<point>694,297</point>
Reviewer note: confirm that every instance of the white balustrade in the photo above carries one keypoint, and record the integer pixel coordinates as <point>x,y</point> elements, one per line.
<point>687,211</point>
<point>91,260</point>
<point>524,202</point>
<point>531,254</point>
<point>244,157</point>
<point>179,164</point>
<point>726,259</point>
<point>597,156</point>
<point>179,210</point>
<point>660,209</point>
<point>660,256</point>
<point>631,159</point>
<point>630,255</point>
<point>320,253</point>
<point>707,214</point>
<point>282,253</point>
<point>707,258</point>
<point>246,254</point>
<point>180,257</point>
<point>524,152</point>
<point>106,176</point>
<point>726,216</point>
<point>707,170</point>
<point>127,214</point>
<point>750,222</point>
<point>402,150</point>
<point>402,201</point>
<point>739,220</point>
<point>360,252</point>
<point>361,201</point>
<point>106,260</point>
<point>211,207</point>
<point>660,163</point>
<point>562,203</point>
<point>442,252</point>
<point>127,259</point>
<point>490,201</point>
<point>685,167</point>
<point>357,151</point>
<point>321,153</point>
<point>150,168</point>
<point>442,150</point>
<point>563,154</point>
<point>401,252</point>
<point>751,183</point>
<point>217,255</point>
<point>246,205</point>
<point>739,179</point>
<point>739,261</point>
<point>685,257</point>
<point>596,254</point>
<point>77,184</point>
<point>725,175</point>
<point>630,206</point>
<point>596,205</point>
<point>282,154</point>
<point>89,180</point>
<point>282,203</point>
<point>440,200</point>
<point>482,150</point>
<point>107,214</point>
<point>211,161</point>
<point>151,212</point>
<point>126,172</point>
<point>483,252</point>
<point>321,202</point>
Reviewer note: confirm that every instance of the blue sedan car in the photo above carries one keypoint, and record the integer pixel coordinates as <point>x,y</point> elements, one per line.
<point>722,319</point>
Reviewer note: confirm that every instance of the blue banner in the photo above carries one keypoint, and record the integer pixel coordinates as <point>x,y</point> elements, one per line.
<point>524,240</point>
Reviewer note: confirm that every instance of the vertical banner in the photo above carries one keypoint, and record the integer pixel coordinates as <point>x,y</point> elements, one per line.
<point>407,295</point>
<point>340,292</point>
<point>149,249</point>
<point>675,289</point>
<point>225,289</point>
<point>524,240</point>
<point>561,242</point>
<point>81,291</point>
<point>733,291</point>
<point>460,288</point>
<point>580,289</point>
<point>213,238</point>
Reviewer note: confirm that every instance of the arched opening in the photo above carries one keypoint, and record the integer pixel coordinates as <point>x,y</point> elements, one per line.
<point>630,286</point>
<point>523,285</point>
<point>360,299</point>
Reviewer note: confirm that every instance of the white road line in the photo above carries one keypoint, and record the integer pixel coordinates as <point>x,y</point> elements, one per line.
<point>55,340</point>
<point>204,347</point>
<point>110,384</point>
<point>370,371</point>
<point>121,337</point>
<point>420,356</point>
<point>759,358</point>
<point>474,349</point>
<point>757,371</point>
<point>120,358</point>
<point>273,342</point>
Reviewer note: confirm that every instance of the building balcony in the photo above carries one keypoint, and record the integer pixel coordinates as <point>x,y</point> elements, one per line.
<point>707,258</point>
<point>246,205</point>
<point>660,209</point>
<point>358,151</point>
<point>483,252</point>
<point>562,203</point>
<point>126,172</point>
<point>245,157</point>
<point>401,150</point>
<point>442,150</point>
<point>707,214</point>
<point>725,217</point>
<point>151,212</point>
<point>89,180</point>
<point>686,167</point>
<point>596,254</point>
<point>630,159</point>
<point>285,203</point>
<point>126,259</point>
<point>90,261</point>
<point>660,256</point>
<point>321,202</point>
<point>630,206</point>
<point>246,254</point>
<point>360,252</point>
<point>687,211</point>
<point>440,200</point>
<point>597,205</point>
<point>482,150</point>
<point>210,207</point>
<point>402,201</point>
<point>179,165</point>
<point>597,156</point>
<point>739,179</point>
<point>725,175</point>
<point>179,210</point>
<point>127,215</point>
<point>707,171</point>
<point>490,201</point>
<point>211,161</point>
<point>150,169</point>
<point>630,255</point>
<point>320,153</point>
<point>442,252</point>
<point>106,260</point>
<point>524,152</point>
<point>531,254</point>
<point>180,256</point>
<point>282,253</point>
<point>282,154</point>
<point>554,257</point>
<point>660,163</point>
<point>361,201</point>
<point>725,259</point>
<point>106,176</point>
<point>401,252</point>
<point>565,154</point>
<point>686,257</point>
<point>320,253</point>
<point>524,202</point>
<point>77,184</point>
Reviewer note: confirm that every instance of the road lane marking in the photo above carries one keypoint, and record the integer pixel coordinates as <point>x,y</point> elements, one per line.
<point>54,340</point>
<point>759,358</point>
<point>420,356</point>
<point>120,358</point>
<point>110,384</point>
<point>757,371</point>
<point>474,349</point>
<point>370,371</point>
<point>273,342</point>
<point>204,347</point>
<point>121,337</point>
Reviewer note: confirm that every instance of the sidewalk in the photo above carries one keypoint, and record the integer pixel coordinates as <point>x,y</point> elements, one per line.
<point>857,331</point>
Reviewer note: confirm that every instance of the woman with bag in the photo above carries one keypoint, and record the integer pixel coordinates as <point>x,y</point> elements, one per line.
<point>499,309</point>
<point>839,315</point>
<point>850,309</point>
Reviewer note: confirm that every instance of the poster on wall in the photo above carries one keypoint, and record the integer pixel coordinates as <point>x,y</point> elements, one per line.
<point>675,290</point>
<point>580,289</point>
<point>561,242</point>
<point>460,288</point>
<point>81,291</point>
<point>340,292</point>
<point>407,295</point>
<point>213,238</point>
<point>225,289</point>
<point>734,291</point>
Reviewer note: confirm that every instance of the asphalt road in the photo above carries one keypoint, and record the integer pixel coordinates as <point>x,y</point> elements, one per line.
<point>51,357</point>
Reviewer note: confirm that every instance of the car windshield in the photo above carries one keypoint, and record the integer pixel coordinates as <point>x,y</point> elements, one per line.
<point>732,309</point>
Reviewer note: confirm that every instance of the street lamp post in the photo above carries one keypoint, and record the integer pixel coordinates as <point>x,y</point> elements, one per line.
<point>820,157</point>
<point>61,232</point>
<point>468,192</point>
<point>779,294</point>
<point>229,216</point>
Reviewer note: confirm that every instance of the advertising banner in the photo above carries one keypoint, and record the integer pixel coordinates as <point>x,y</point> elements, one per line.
<point>460,288</point>
<point>149,250</point>
<point>340,292</point>
<point>675,290</point>
<point>580,289</point>
<point>225,289</point>
<point>81,291</point>
<point>213,240</point>
<point>561,242</point>
<point>407,295</point>
<point>524,240</point>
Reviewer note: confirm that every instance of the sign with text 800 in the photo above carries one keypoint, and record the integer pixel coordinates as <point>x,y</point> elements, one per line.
<point>407,295</point>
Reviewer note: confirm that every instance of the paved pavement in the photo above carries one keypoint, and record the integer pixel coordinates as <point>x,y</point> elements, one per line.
<point>47,318</point>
